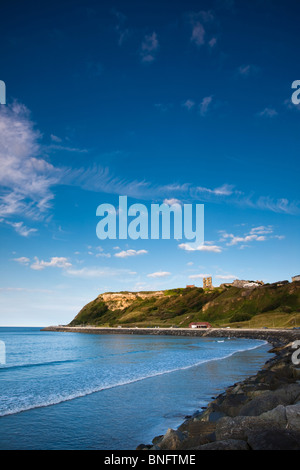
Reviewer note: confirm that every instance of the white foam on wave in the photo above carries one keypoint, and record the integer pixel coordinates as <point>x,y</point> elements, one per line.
<point>57,399</point>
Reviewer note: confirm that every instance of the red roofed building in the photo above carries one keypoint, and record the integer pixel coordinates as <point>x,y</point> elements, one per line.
<point>200,325</point>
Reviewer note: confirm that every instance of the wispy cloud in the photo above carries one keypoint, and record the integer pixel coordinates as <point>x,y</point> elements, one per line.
<point>26,290</point>
<point>22,260</point>
<point>205,105</point>
<point>256,234</point>
<point>198,276</point>
<point>198,34</point>
<point>55,138</point>
<point>172,201</point>
<point>149,48</point>
<point>205,248</point>
<point>103,255</point>
<point>267,203</point>
<point>54,262</point>
<point>27,180</point>
<point>224,190</point>
<point>101,180</point>
<point>189,104</point>
<point>225,277</point>
<point>20,228</point>
<point>25,177</point>
<point>122,31</point>
<point>159,274</point>
<point>94,272</point>
<point>212,42</point>
<point>202,24</point>
<point>65,148</point>
<point>246,71</point>
<point>268,113</point>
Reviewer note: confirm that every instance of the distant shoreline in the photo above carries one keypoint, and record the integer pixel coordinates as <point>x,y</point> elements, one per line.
<point>273,336</point>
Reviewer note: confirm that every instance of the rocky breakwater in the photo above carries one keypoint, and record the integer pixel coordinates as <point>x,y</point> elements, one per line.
<point>260,413</point>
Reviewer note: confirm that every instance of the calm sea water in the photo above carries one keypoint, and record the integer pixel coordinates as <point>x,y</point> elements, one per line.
<point>111,392</point>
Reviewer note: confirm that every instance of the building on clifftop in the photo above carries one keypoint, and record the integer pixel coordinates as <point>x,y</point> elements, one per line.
<point>207,283</point>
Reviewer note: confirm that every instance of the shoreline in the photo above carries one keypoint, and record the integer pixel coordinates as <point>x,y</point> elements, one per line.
<point>260,413</point>
<point>273,336</point>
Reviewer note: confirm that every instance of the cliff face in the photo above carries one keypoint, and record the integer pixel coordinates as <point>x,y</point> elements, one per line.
<point>119,301</point>
<point>275,305</point>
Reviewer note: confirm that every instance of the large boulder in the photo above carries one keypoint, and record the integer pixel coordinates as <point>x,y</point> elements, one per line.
<point>293,417</point>
<point>274,440</point>
<point>267,401</point>
<point>277,429</point>
<point>172,440</point>
<point>240,427</point>
<point>229,444</point>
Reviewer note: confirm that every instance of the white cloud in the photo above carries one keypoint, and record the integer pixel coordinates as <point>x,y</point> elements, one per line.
<point>55,262</point>
<point>262,230</point>
<point>127,253</point>
<point>189,104</point>
<point>234,239</point>
<point>225,277</point>
<point>247,70</point>
<point>120,29</point>
<point>25,289</point>
<point>198,34</point>
<point>65,148</point>
<point>268,112</point>
<point>212,42</point>
<point>20,228</point>
<point>201,23</point>
<point>275,205</point>
<point>199,276</point>
<point>103,255</point>
<point>159,274</point>
<point>23,260</point>
<point>290,105</point>
<point>172,201</point>
<point>25,178</point>
<point>224,190</point>
<point>93,273</point>
<point>207,248</point>
<point>256,234</point>
<point>205,104</point>
<point>149,48</point>
<point>54,138</point>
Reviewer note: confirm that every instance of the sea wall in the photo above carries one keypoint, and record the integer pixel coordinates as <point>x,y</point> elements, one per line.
<point>273,336</point>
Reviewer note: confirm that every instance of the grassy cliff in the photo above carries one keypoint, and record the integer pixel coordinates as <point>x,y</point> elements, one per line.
<point>272,305</point>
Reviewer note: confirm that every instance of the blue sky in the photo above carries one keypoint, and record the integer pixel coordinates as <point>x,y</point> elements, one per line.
<point>159,101</point>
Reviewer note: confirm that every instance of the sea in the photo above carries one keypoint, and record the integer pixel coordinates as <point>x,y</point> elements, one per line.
<point>77,391</point>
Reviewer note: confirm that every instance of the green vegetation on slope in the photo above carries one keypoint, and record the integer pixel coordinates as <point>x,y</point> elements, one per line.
<point>231,306</point>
